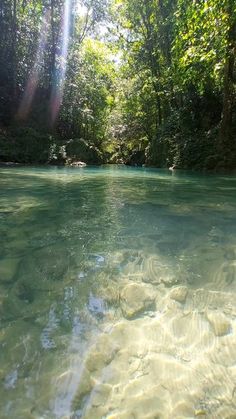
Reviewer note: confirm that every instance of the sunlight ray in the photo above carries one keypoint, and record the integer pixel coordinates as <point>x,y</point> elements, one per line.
<point>57,92</point>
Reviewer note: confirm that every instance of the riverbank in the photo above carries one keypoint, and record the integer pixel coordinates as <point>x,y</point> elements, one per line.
<point>27,146</point>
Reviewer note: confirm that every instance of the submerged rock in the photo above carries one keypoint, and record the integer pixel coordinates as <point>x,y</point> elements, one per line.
<point>101,394</point>
<point>158,272</point>
<point>84,387</point>
<point>110,293</point>
<point>135,299</point>
<point>91,390</point>
<point>101,354</point>
<point>8,268</point>
<point>179,294</point>
<point>219,322</point>
<point>139,368</point>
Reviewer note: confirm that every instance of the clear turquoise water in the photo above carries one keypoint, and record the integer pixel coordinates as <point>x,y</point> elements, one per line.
<point>66,236</point>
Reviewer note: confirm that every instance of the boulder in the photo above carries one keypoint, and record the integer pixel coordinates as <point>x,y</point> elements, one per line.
<point>78,164</point>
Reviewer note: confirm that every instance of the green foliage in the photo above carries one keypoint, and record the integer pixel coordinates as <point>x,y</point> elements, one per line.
<point>80,150</point>
<point>143,82</point>
<point>199,47</point>
<point>25,145</point>
<point>176,58</point>
<point>88,92</point>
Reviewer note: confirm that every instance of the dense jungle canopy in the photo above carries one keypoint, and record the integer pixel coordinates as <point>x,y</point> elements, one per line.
<point>121,81</point>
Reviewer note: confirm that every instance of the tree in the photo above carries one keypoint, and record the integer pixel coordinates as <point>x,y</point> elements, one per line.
<point>229,75</point>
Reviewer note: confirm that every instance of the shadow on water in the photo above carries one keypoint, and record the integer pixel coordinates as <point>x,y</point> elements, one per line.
<point>72,243</point>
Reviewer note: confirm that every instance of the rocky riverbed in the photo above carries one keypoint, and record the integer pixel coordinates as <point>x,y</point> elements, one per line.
<point>163,350</point>
<point>117,294</point>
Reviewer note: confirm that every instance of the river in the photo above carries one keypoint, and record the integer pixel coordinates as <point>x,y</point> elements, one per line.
<point>117,293</point>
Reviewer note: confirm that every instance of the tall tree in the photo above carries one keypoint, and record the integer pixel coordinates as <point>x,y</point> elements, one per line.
<point>229,75</point>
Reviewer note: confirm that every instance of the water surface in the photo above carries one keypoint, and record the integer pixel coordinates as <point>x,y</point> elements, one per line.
<point>117,293</point>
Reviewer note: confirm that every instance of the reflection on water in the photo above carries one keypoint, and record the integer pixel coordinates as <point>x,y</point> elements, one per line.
<point>117,294</point>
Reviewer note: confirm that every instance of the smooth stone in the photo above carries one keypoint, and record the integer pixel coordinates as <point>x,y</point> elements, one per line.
<point>135,299</point>
<point>100,394</point>
<point>169,280</point>
<point>96,361</point>
<point>156,273</point>
<point>101,354</point>
<point>179,294</point>
<point>219,322</point>
<point>8,268</point>
<point>84,387</point>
